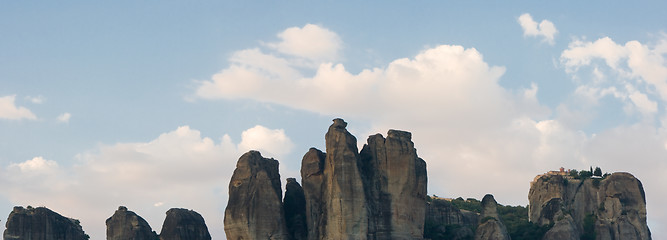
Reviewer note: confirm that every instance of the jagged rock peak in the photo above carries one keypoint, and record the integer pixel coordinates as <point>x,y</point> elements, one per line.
<point>254,209</point>
<point>338,123</point>
<point>124,224</point>
<point>403,135</point>
<point>41,224</point>
<point>184,224</point>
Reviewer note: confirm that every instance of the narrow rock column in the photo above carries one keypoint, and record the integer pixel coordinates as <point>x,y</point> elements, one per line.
<point>347,216</point>
<point>312,178</point>
<point>490,226</point>
<point>254,210</point>
<point>294,205</point>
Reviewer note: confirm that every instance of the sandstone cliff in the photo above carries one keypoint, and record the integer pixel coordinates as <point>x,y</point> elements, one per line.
<point>312,177</point>
<point>609,208</point>
<point>254,210</point>
<point>441,213</point>
<point>490,227</point>
<point>395,181</point>
<point>124,225</point>
<point>184,224</point>
<point>41,224</point>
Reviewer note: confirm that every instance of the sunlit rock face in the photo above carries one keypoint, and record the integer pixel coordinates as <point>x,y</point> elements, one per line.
<point>184,224</point>
<point>124,224</point>
<point>41,224</point>
<point>254,210</point>
<point>612,208</point>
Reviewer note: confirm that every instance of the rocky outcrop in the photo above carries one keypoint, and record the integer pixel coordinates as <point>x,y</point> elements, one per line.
<point>41,224</point>
<point>294,205</point>
<point>124,224</point>
<point>611,208</point>
<point>395,182</point>
<point>440,213</point>
<point>490,226</point>
<point>184,224</point>
<point>254,209</point>
<point>345,209</point>
<point>312,177</point>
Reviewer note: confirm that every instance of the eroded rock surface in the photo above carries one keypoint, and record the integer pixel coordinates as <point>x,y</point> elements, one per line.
<point>614,207</point>
<point>294,205</point>
<point>184,224</point>
<point>490,227</point>
<point>395,181</point>
<point>254,209</point>
<point>124,225</point>
<point>312,177</point>
<point>41,224</point>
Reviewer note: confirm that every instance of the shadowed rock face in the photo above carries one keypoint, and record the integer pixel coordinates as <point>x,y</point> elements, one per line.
<point>294,205</point>
<point>254,210</point>
<point>440,212</point>
<point>124,224</point>
<point>395,181</point>
<point>490,227</point>
<point>312,177</point>
<point>184,224</point>
<point>41,224</point>
<point>617,204</point>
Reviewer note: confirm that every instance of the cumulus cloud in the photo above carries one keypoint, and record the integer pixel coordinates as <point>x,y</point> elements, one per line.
<point>179,168</point>
<point>545,28</point>
<point>312,42</point>
<point>635,73</point>
<point>9,110</point>
<point>64,118</point>
<point>271,142</point>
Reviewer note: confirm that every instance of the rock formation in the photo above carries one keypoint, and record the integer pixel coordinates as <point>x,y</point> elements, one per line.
<point>184,224</point>
<point>312,177</point>
<point>441,213</point>
<point>490,226</point>
<point>345,208</point>
<point>294,205</point>
<point>124,224</point>
<point>395,180</point>
<point>254,210</point>
<point>41,224</point>
<point>609,208</point>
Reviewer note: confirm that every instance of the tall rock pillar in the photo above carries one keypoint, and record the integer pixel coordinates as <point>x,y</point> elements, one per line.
<point>254,210</point>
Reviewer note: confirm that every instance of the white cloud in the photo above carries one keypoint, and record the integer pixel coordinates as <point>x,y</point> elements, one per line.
<point>36,100</point>
<point>37,164</point>
<point>64,118</point>
<point>9,110</point>
<point>179,168</point>
<point>312,42</point>
<point>270,142</point>
<point>531,28</point>
<point>635,73</point>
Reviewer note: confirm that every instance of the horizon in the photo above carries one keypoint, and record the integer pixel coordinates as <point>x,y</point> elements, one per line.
<point>149,105</point>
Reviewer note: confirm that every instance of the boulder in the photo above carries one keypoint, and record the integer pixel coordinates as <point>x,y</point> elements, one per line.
<point>124,225</point>
<point>41,224</point>
<point>254,209</point>
<point>184,224</point>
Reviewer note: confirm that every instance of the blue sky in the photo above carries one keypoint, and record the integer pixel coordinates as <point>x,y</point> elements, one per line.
<point>149,104</point>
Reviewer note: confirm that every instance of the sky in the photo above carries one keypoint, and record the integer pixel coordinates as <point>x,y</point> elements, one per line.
<point>149,104</point>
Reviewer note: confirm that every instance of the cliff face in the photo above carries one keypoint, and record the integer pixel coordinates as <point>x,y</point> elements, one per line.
<point>124,224</point>
<point>184,224</point>
<point>294,205</point>
<point>395,180</point>
<point>254,210</point>
<point>610,208</point>
<point>312,176</point>
<point>41,224</point>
